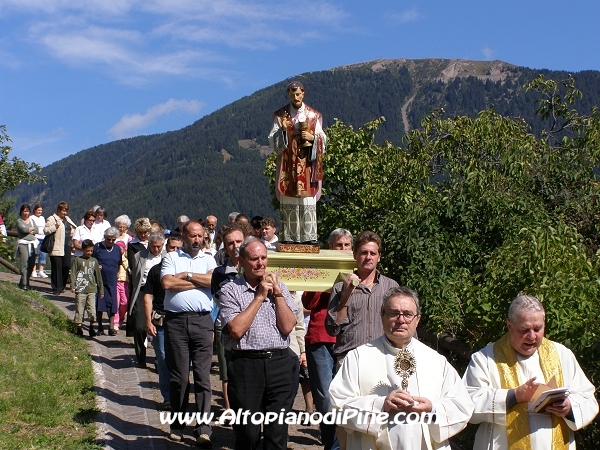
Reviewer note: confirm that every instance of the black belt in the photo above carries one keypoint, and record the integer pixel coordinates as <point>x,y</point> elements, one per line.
<point>259,354</point>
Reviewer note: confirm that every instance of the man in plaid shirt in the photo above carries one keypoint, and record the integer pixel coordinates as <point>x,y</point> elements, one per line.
<point>258,314</point>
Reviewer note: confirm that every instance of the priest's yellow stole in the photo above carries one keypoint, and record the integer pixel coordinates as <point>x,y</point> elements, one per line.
<point>517,419</point>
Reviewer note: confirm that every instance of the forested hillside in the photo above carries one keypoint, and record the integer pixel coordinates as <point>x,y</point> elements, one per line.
<point>216,164</point>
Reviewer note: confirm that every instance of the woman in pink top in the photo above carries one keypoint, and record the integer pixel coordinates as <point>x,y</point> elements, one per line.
<point>122,289</point>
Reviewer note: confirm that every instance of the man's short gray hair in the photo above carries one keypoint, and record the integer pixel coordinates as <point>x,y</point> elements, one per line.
<point>183,219</point>
<point>112,232</point>
<point>156,236</point>
<point>231,217</point>
<point>524,303</point>
<point>249,240</point>
<point>400,291</point>
<point>339,233</point>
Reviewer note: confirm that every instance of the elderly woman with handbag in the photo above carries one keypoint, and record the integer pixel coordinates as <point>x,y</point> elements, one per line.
<point>62,227</point>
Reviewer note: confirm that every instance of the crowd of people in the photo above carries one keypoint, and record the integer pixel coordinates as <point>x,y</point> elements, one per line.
<point>199,286</point>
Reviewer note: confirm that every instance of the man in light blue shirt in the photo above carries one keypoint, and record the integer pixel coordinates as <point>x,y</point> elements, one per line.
<point>186,276</point>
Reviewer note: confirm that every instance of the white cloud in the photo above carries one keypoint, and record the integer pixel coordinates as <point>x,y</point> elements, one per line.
<point>123,53</point>
<point>209,11</point>
<point>410,15</point>
<point>238,12</point>
<point>22,143</point>
<point>92,7</point>
<point>488,53</point>
<point>132,123</point>
<point>134,40</point>
<point>255,36</point>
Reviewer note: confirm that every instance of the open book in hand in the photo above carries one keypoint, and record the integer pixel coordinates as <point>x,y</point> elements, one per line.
<point>545,395</point>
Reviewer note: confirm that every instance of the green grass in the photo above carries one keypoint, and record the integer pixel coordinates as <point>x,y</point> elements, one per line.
<point>47,397</point>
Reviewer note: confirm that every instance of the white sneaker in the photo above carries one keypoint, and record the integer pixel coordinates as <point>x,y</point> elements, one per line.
<point>42,274</point>
<point>34,274</point>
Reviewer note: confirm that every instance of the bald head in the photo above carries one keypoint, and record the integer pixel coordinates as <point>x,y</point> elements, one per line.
<point>211,223</point>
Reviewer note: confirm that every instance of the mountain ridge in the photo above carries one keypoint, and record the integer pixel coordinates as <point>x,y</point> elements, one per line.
<point>215,165</point>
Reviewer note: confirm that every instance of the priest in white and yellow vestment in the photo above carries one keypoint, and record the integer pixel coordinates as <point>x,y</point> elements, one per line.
<point>503,377</point>
<point>398,375</point>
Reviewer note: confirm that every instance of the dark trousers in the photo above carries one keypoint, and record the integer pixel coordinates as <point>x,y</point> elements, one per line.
<point>262,385</point>
<point>136,327</point>
<point>188,337</point>
<point>59,275</point>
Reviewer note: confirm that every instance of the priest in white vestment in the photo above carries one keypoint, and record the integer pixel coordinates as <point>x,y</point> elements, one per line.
<point>502,379</point>
<point>398,375</point>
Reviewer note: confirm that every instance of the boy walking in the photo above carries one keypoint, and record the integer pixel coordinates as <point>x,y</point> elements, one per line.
<point>86,280</point>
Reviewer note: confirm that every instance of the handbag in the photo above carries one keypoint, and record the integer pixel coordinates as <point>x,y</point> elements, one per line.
<point>157,318</point>
<point>47,244</point>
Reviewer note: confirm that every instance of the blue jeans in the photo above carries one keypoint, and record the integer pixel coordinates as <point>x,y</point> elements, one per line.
<point>41,258</point>
<point>321,367</point>
<point>158,342</point>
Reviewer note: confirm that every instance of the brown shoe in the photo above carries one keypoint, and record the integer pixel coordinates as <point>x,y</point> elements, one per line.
<point>203,441</point>
<point>176,435</point>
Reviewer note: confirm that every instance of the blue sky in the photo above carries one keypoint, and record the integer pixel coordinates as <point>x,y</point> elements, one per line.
<point>75,74</point>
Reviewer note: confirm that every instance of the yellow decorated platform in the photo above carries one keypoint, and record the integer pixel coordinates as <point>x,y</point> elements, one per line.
<point>315,272</point>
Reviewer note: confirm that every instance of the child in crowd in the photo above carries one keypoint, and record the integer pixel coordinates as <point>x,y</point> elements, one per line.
<point>86,280</point>
<point>268,230</point>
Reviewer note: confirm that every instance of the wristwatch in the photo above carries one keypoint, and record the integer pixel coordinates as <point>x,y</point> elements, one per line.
<point>189,276</point>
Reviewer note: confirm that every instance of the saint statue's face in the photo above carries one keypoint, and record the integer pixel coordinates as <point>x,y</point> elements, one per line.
<point>400,320</point>
<point>296,97</point>
<point>526,331</point>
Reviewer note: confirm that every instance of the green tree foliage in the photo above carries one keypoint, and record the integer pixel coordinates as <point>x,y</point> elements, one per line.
<point>12,173</point>
<point>474,211</point>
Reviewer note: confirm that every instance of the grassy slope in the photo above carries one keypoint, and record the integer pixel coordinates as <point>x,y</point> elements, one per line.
<point>46,377</point>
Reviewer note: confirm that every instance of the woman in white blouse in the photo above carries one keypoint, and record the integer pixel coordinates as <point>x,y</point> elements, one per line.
<point>39,222</point>
<point>83,232</point>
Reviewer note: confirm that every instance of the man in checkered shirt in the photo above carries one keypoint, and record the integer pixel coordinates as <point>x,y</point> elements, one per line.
<point>258,314</point>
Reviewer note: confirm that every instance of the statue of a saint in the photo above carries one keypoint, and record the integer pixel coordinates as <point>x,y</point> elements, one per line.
<point>298,140</point>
